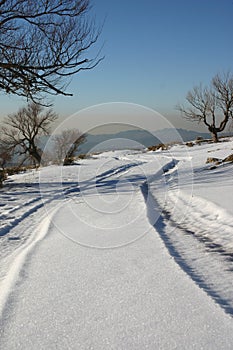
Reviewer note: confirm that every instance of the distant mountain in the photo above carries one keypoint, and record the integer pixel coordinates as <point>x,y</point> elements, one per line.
<point>134,139</point>
<point>172,135</point>
<point>137,139</point>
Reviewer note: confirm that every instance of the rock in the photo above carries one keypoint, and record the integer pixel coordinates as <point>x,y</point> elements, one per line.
<point>199,138</point>
<point>212,160</point>
<point>229,158</point>
<point>160,146</point>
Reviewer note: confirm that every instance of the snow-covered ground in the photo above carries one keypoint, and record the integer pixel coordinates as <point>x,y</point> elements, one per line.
<point>127,250</point>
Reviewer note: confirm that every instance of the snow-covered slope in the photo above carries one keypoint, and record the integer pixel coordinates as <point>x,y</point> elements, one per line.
<point>127,250</point>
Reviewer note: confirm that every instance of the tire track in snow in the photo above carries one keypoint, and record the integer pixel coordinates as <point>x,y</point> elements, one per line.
<point>207,222</point>
<point>33,205</point>
<point>8,283</point>
<point>190,243</point>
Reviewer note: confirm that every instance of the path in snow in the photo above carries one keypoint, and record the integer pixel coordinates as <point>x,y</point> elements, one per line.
<point>21,202</point>
<point>135,297</point>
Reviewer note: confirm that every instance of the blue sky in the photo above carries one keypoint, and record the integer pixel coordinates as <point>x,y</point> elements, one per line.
<point>155,51</point>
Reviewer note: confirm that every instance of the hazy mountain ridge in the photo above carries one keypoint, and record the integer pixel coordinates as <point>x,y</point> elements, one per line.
<point>132,139</point>
<point>137,139</point>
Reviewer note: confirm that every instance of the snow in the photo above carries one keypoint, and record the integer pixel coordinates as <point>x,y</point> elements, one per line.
<point>126,250</point>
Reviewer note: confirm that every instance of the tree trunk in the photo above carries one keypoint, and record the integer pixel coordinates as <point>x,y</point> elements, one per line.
<point>36,155</point>
<point>214,136</point>
<point>214,132</point>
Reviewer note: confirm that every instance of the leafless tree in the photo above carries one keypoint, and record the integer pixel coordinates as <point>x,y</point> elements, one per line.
<point>212,105</point>
<point>42,43</point>
<point>66,145</point>
<point>21,130</point>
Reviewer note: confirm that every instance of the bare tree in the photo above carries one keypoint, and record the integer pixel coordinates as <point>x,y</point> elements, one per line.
<point>22,130</point>
<point>43,42</point>
<point>212,106</point>
<point>66,145</point>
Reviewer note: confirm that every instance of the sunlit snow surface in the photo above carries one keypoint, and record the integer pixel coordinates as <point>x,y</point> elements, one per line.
<point>125,250</point>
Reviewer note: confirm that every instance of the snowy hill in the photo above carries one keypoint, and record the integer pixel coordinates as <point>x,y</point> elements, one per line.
<point>126,250</point>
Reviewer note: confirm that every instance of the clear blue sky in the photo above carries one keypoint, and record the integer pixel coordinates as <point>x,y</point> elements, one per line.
<point>155,51</point>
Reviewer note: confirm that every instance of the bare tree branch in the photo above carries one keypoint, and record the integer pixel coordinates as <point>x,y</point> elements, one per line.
<point>66,145</point>
<point>41,43</point>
